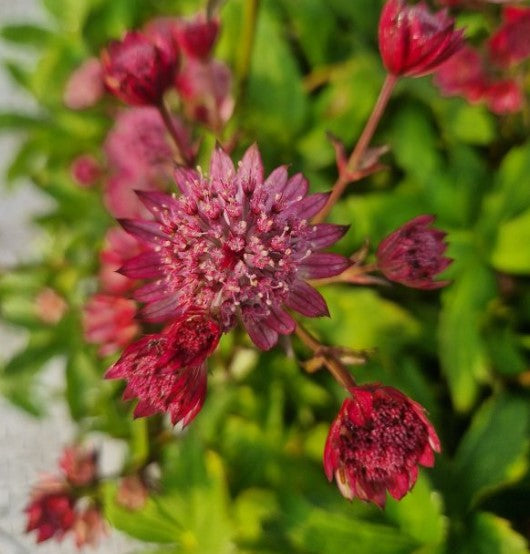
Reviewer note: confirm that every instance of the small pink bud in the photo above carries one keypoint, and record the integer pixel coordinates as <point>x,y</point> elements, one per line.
<point>413,41</point>
<point>79,465</point>
<point>504,97</point>
<point>89,527</point>
<point>132,493</point>
<point>376,443</point>
<point>413,254</point>
<point>85,170</point>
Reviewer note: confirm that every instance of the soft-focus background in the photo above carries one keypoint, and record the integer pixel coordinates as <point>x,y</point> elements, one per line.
<point>247,476</point>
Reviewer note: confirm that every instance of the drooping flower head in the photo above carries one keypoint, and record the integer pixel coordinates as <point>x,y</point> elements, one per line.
<point>235,245</point>
<point>414,254</point>
<point>413,41</point>
<point>166,371</point>
<point>376,443</point>
<point>137,70</point>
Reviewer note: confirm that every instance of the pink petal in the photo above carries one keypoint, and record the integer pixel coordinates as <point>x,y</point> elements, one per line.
<point>221,166</point>
<point>306,300</point>
<point>321,265</point>
<point>261,334</point>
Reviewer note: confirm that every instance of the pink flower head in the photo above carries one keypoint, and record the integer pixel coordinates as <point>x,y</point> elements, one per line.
<point>50,513</point>
<point>235,245</point>
<point>136,70</point>
<point>197,36</point>
<point>511,43</point>
<point>79,465</point>
<point>504,97</point>
<point>414,41</point>
<point>376,443</point>
<point>463,74</point>
<point>413,254</point>
<point>85,86</point>
<point>166,371</point>
<point>89,527</point>
<point>119,246</point>
<point>132,493</point>
<point>85,170</point>
<point>205,91</point>
<point>110,322</point>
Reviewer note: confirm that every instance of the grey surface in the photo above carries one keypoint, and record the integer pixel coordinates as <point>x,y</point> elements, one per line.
<point>29,446</point>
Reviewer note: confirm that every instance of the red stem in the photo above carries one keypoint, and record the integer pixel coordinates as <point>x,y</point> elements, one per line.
<point>183,158</point>
<point>345,177</point>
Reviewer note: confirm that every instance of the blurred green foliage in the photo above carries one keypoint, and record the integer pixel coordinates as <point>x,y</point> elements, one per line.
<point>247,476</point>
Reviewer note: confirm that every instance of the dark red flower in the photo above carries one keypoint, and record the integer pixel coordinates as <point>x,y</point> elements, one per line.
<point>197,36</point>
<point>511,43</point>
<point>414,41</point>
<point>413,254</point>
<point>376,443</point>
<point>136,70</point>
<point>166,371</point>
<point>110,322</point>
<point>79,465</point>
<point>162,32</point>
<point>50,513</point>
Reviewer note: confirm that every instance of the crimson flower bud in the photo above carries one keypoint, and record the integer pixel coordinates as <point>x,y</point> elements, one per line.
<point>137,70</point>
<point>413,254</point>
<point>85,170</point>
<point>197,36</point>
<point>376,443</point>
<point>413,41</point>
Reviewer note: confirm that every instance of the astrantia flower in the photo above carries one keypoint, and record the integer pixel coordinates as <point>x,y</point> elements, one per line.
<point>50,512</point>
<point>376,443</point>
<point>414,254</point>
<point>85,86</point>
<point>137,70</point>
<point>110,322</point>
<point>235,245</point>
<point>414,41</point>
<point>166,371</point>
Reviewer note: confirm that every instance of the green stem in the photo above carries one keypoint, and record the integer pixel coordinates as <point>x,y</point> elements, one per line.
<point>182,157</point>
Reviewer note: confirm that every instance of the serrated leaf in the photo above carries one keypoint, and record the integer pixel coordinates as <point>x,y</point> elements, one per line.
<point>489,534</point>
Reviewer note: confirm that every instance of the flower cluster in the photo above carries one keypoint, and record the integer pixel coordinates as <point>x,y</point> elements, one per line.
<point>487,75</point>
<point>56,508</point>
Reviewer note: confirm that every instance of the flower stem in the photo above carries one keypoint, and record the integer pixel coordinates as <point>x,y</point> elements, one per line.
<point>250,23</point>
<point>345,177</point>
<point>182,156</point>
<point>333,365</point>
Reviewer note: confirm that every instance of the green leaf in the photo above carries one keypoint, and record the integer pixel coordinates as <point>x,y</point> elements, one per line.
<point>489,534</point>
<point>26,35</point>
<point>420,513</point>
<point>463,353</point>
<point>508,254</point>
<point>42,346</point>
<point>10,121</point>
<point>83,381</point>
<point>151,523</point>
<point>492,453</point>
<point>319,531</point>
